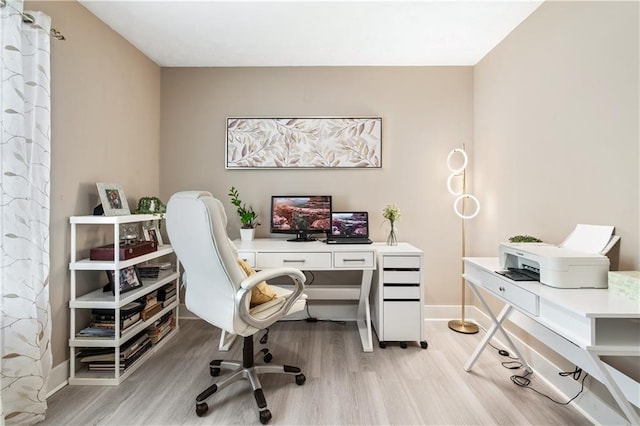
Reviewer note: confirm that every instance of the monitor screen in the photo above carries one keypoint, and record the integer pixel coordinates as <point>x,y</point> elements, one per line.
<point>302,215</point>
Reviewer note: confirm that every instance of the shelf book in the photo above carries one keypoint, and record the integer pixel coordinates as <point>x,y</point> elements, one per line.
<point>103,359</point>
<point>103,321</point>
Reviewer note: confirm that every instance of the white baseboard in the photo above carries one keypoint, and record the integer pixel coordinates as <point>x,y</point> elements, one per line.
<point>58,378</point>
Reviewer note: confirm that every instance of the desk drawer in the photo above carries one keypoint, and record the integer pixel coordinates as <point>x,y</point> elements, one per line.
<point>353,259</point>
<point>515,295</point>
<point>249,257</point>
<point>300,260</point>
<point>401,292</point>
<point>400,277</point>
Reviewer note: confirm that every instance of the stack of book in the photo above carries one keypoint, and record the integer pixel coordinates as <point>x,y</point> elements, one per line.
<point>167,294</point>
<point>103,321</point>
<point>152,306</point>
<point>161,327</point>
<point>103,359</point>
<point>152,270</point>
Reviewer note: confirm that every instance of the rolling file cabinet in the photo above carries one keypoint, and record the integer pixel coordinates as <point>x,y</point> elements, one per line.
<point>397,295</point>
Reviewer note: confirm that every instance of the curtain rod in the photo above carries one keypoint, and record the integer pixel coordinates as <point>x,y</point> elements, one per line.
<point>28,19</point>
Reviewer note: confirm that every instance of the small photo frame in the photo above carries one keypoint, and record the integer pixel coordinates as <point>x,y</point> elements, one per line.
<point>129,279</point>
<point>114,202</point>
<point>152,233</point>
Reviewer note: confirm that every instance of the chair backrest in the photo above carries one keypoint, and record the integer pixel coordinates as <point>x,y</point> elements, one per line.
<point>196,226</point>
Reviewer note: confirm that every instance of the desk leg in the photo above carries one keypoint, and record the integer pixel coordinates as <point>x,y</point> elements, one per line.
<point>615,390</point>
<point>497,325</point>
<point>226,340</point>
<point>363,317</point>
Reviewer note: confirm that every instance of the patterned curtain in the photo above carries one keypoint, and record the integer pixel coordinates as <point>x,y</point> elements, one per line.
<point>25,153</point>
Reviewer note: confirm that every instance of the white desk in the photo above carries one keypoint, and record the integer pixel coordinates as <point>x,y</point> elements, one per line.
<point>264,253</point>
<point>582,325</point>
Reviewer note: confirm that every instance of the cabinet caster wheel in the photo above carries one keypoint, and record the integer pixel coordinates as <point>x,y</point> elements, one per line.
<point>382,345</point>
<point>214,371</point>
<point>201,409</point>
<point>424,344</point>
<point>265,416</point>
<point>267,358</point>
<point>300,379</point>
<point>403,345</point>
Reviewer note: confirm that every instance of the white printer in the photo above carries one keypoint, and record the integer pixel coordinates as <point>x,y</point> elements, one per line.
<point>558,267</point>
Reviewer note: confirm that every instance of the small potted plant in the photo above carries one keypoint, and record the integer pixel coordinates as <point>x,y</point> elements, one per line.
<point>248,218</point>
<point>391,212</point>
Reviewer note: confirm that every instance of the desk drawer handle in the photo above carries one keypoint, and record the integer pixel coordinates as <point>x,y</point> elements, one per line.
<point>354,260</point>
<point>293,261</point>
<point>501,289</point>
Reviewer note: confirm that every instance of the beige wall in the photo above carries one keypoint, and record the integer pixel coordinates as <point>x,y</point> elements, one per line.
<point>425,111</point>
<point>556,127</point>
<point>105,103</point>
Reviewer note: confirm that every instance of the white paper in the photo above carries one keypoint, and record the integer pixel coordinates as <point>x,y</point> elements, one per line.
<point>588,238</point>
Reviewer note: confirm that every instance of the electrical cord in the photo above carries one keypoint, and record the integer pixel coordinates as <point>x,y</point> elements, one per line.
<point>525,382</point>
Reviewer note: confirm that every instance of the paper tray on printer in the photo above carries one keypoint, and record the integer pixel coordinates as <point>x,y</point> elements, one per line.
<point>517,274</point>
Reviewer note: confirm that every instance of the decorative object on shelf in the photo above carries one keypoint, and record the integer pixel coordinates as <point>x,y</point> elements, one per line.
<point>126,252</point>
<point>248,217</point>
<point>457,162</point>
<point>392,213</point>
<point>150,205</point>
<point>152,233</point>
<point>304,143</point>
<point>129,233</point>
<point>129,279</point>
<point>114,202</point>
<point>524,239</point>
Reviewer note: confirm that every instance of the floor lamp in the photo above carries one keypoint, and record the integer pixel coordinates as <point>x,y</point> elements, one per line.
<point>460,208</point>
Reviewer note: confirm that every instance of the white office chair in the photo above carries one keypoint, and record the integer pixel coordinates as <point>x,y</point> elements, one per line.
<point>218,291</point>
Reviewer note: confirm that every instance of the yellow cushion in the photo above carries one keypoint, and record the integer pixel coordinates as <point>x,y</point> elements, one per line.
<point>261,293</point>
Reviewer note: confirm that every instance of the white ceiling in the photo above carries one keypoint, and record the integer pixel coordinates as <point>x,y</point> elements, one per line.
<point>182,33</point>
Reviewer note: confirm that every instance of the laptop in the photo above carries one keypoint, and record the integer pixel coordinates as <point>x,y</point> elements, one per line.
<point>349,228</point>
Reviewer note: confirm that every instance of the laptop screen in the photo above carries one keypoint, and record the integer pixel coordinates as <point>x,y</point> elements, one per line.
<point>349,225</point>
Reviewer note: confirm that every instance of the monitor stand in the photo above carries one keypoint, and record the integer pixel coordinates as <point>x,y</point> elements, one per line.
<point>302,237</point>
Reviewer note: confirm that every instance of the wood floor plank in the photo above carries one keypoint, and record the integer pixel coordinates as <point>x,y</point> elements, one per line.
<point>345,386</point>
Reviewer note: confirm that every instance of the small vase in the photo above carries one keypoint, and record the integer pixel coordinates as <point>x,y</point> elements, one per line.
<point>247,234</point>
<point>392,240</point>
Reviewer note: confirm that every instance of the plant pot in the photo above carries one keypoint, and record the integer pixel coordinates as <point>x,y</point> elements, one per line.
<point>247,234</point>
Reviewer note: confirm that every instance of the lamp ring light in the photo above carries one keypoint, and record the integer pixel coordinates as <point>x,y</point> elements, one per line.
<point>464,163</point>
<point>450,184</point>
<point>463,214</point>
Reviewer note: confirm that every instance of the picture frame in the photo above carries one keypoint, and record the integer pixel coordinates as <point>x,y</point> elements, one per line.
<point>303,143</point>
<point>129,279</point>
<point>152,233</point>
<point>114,202</point>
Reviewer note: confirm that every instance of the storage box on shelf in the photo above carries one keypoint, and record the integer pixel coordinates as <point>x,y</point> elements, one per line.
<point>103,350</point>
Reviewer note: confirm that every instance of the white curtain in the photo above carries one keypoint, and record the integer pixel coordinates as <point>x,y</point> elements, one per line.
<point>25,187</point>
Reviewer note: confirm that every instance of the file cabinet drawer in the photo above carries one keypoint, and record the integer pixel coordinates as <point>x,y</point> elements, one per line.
<point>406,262</point>
<point>299,260</point>
<point>401,277</point>
<point>353,259</point>
<point>402,321</point>
<point>401,292</point>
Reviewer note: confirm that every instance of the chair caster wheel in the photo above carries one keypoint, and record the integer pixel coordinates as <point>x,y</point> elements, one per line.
<point>201,409</point>
<point>424,344</point>
<point>403,345</point>
<point>382,345</point>
<point>300,379</point>
<point>267,358</point>
<point>214,371</point>
<point>265,416</point>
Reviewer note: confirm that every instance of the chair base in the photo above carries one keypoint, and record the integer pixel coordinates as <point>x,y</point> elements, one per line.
<point>248,370</point>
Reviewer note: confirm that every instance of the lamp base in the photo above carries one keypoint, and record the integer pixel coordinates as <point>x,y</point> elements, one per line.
<point>463,327</point>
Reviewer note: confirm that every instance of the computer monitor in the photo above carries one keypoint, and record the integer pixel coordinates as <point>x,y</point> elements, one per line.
<point>302,215</point>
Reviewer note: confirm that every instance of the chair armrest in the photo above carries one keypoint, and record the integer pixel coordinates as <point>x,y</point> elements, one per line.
<point>251,281</point>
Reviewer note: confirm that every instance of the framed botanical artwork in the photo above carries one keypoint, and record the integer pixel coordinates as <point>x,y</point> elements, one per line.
<point>114,202</point>
<point>129,279</point>
<point>304,143</point>
<point>152,233</point>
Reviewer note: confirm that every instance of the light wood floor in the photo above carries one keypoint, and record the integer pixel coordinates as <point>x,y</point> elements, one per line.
<point>344,385</point>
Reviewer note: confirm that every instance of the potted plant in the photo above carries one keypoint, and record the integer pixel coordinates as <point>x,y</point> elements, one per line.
<point>248,218</point>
